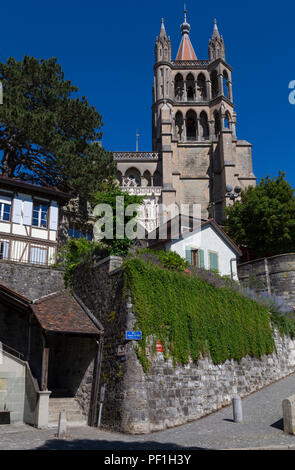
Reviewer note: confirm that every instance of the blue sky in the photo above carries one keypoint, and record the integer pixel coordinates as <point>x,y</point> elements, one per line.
<point>107,50</point>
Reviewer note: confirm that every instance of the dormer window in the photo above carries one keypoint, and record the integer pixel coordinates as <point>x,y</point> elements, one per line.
<point>5,208</point>
<point>40,215</point>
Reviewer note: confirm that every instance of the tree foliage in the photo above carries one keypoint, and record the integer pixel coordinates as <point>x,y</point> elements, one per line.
<point>264,219</point>
<point>47,134</point>
<point>119,244</point>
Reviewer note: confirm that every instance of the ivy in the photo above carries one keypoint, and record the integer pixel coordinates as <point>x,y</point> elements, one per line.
<point>193,318</point>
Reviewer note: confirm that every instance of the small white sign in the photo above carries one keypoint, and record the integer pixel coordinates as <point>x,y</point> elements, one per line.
<point>1,353</point>
<point>121,351</point>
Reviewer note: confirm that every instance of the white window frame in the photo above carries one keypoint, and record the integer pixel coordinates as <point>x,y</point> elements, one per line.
<point>40,204</point>
<point>8,203</point>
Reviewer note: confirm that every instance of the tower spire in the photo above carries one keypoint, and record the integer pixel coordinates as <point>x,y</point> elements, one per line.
<point>185,50</point>
<point>216,44</point>
<point>215,30</point>
<point>163,30</point>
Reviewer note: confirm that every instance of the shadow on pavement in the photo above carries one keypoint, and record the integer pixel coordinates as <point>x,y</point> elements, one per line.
<point>89,444</point>
<point>278,424</point>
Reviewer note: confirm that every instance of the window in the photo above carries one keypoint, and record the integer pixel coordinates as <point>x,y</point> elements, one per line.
<point>213,261</point>
<point>40,215</point>
<point>194,257</point>
<point>5,208</point>
<point>4,247</point>
<point>76,233</point>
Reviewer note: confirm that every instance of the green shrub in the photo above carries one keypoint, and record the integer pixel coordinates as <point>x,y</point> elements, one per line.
<point>77,250</point>
<point>167,259</point>
<point>192,317</point>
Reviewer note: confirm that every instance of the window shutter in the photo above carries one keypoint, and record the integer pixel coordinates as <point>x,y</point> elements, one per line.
<point>201,259</point>
<point>188,255</point>
<point>5,250</point>
<point>17,209</point>
<point>213,261</point>
<point>38,255</point>
<point>28,211</point>
<point>53,217</point>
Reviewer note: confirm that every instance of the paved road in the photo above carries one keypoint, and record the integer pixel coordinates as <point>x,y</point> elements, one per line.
<point>262,427</point>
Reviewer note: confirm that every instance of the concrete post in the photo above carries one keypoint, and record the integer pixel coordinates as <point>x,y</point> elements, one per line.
<point>237,409</point>
<point>62,425</point>
<point>42,410</point>
<point>289,415</point>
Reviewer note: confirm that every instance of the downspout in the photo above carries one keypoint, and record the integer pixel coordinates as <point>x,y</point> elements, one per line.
<point>231,267</point>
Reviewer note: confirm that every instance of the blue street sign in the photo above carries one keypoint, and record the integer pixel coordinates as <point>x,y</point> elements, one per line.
<point>134,335</point>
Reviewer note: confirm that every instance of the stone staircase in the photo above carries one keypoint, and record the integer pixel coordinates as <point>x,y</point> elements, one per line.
<point>72,408</point>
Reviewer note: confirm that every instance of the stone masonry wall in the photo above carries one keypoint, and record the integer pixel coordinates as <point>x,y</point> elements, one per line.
<point>275,274</point>
<point>166,396</point>
<point>31,281</point>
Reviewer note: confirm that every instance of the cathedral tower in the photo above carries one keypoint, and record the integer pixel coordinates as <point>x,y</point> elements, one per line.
<point>196,156</point>
<point>194,126</point>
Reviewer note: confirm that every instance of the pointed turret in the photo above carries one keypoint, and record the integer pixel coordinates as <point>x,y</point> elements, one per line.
<point>163,45</point>
<point>163,30</point>
<point>216,48</point>
<point>185,50</point>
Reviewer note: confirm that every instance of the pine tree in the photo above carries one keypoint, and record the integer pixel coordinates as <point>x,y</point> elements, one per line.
<point>47,135</point>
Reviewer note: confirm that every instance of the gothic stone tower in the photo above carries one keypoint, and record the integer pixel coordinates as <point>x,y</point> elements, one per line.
<point>196,155</point>
<point>194,125</point>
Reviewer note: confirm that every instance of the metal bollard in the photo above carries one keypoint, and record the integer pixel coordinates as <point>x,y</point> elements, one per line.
<point>62,425</point>
<point>237,409</point>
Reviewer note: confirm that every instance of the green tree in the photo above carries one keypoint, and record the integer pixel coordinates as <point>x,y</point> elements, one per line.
<point>47,135</point>
<point>264,219</point>
<point>109,195</point>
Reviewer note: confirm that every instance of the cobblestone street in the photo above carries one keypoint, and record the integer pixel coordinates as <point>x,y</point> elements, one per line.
<point>262,427</point>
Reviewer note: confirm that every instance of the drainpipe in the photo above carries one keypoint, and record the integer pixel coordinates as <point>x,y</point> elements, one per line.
<point>29,338</point>
<point>231,267</point>
<point>96,379</point>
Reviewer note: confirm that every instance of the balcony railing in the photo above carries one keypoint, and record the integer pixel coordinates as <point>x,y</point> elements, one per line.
<point>154,156</point>
<point>143,190</point>
<point>26,252</point>
<point>190,63</point>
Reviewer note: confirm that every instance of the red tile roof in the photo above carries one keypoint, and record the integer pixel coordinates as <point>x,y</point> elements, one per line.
<point>186,50</point>
<point>60,312</point>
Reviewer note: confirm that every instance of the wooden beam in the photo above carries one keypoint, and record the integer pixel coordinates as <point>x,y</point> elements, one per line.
<point>45,362</point>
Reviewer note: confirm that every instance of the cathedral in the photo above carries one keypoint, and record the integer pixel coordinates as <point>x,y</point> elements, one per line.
<point>196,157</point>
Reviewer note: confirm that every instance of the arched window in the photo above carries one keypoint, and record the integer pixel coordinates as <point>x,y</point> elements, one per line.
<point>214,83</point>
<point>119,178</point>
<point>178,86</point>
<point>157,178</point>
<point>179,125</point>
<point>227,120</point>
<point>190,87</point>
<point>216,122</point>
<point>225,83</point>
<point>132,178</point>
<point>191,125</point>
<point>204,126</point>
<point>146,180</point>
<point>201,84</point>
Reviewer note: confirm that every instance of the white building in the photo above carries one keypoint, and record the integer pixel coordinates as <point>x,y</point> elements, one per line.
<point>202,243</point>
<point>29,219</point>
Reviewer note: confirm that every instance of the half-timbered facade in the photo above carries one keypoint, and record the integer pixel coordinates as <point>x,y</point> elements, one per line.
<point>29,221</point>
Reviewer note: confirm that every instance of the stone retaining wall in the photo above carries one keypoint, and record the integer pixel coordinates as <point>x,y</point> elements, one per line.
<point>275,274</point>
<point>166,396</point>
<point>30,280</point>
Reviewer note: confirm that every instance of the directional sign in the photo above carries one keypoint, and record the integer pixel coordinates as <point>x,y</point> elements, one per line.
<point>134,335</point>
